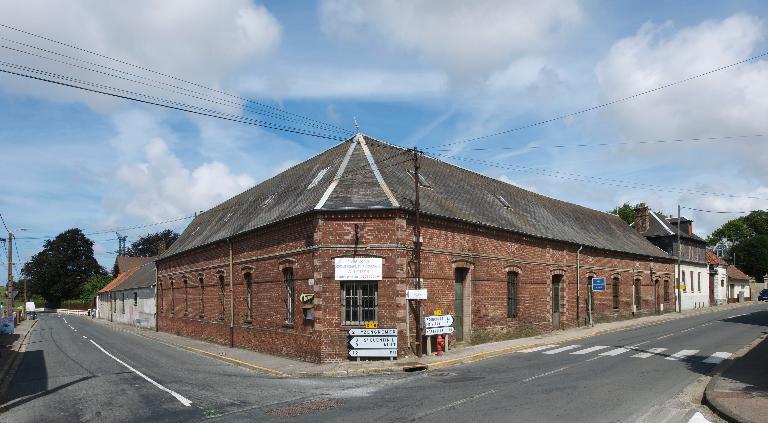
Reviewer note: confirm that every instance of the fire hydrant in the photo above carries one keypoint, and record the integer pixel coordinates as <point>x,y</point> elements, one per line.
<point>440,344</point>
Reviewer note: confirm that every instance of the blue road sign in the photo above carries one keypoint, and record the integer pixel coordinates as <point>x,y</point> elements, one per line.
<point>598,284</point>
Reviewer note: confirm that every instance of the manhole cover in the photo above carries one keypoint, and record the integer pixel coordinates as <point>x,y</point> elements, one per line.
<point>303,408</point>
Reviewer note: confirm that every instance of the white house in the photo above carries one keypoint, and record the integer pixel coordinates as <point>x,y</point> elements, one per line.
<point>718,279</point>
<point>739,289</point>
<point>130,298</point>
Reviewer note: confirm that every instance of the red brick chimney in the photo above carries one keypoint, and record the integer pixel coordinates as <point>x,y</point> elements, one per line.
<point>641,218</point>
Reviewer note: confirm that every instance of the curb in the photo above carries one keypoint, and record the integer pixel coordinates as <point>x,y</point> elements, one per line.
<point>711,401</point>
<point>9,369</point>
<point>420,365</point>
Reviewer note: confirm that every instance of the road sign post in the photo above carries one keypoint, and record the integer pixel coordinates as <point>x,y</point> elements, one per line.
<point>373,342</point>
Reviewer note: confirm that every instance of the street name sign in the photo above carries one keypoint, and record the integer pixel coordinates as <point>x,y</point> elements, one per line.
<point>416,294</point>
<point>358,268</point>
<point>373,353</point>
<point>373,332</point>
<point>438,331</point>
<point>384,342</point>
<point>438,321</point>
<point>598,284</point>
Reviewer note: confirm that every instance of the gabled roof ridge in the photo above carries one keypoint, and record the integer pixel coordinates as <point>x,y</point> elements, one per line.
<point>662,221</point>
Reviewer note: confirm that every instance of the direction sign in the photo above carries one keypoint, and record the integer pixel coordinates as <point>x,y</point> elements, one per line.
<point>438,321</point>
<point>373,353</point>
<point>374,342</point>
<point>415,294</point>
<point>598,284</point>
<point>373,332</point>
<point>438,331</point>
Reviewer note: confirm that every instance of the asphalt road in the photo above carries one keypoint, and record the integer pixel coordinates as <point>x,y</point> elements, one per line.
<point>78,370</point>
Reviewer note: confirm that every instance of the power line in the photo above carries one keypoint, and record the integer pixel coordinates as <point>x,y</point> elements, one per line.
<point>184,108</point>
<point>72,46</point>
<point>189,93</point>
<point>3,220</point>
<point>603,105</point>
<point>718,211</point>
<point>604,144</point>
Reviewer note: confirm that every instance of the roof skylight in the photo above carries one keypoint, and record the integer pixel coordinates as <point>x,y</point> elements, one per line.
<point>318,178</point>
<point>503,201</point>
<point>422,181</point>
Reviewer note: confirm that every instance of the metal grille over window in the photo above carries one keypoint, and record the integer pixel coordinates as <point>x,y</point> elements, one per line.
<point>360,302</point>
<point>511,294</point>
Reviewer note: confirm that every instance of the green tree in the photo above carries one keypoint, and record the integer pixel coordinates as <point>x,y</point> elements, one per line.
<point>92,286</point>
<point>626,212</point>
<point>60,270</point>
<point>150,245</point>
<point>741,228</point>
<point>752,256</point>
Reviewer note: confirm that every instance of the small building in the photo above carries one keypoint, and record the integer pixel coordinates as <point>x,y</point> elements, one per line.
<point>289,266</point>
<point>693,273</point>
<point>130,298</point>
<point>718,279</point>
<point>739,289</point>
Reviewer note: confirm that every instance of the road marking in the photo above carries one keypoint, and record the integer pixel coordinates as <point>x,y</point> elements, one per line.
<point>682,354</point>
<point>717,357</point>
<point>561,349</point>
<point>545,374</point>
<point>539,348</point>
<point>176,395</point>
<point>459,402</point>
<point>665,336</point>
<point>649,353</point>
<point>617,351</point>
<point>85,337</point>
<point>738,315</point>
<point>590,349</point>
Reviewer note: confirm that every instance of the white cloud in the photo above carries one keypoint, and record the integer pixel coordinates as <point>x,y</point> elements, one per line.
<point>161,187</point>
<point>197,40</point>
<point>467,39</point>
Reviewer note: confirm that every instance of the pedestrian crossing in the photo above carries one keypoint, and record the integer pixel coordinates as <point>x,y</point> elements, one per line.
<point>641,353</point>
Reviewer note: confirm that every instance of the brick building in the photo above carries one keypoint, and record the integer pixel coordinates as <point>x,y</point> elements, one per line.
<point>258,271</point>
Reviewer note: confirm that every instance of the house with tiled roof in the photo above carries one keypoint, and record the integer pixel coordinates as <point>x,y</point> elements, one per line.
<point>289,266</point>
<point>718,278</point>
<point>130,297</point>
<point>739,289</point>
<point>675,236</point>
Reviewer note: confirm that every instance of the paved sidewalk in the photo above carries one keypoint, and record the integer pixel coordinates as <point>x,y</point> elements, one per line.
<point>285,367</point>
<point>739,390</point>
<point>10,346</point>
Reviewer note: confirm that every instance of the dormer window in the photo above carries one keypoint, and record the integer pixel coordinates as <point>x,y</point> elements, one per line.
<point>422,181</point>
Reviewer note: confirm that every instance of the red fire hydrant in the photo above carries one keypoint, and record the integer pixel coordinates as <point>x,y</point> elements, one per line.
<point>440,344</point>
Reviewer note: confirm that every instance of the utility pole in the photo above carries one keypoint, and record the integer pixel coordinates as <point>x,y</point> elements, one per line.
<point>679,270</point>
<point>417,250</point>
<point>10,271</point>
<point>121,244</point>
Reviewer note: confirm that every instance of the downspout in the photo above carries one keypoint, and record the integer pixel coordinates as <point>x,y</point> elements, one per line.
<point>578,284</point>
<point>231,297</point>
<point>157,328</point>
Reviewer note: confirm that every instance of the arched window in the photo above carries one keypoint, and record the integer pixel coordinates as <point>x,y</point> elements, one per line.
<point>666,290</point>
<point>290,290</point>
<point>638,297</point>
<point>221,296</point>
<point>249,297</point>
<point>615,286</point>
<point>173,301</point>
<point>511,294</point>
<point>186,296</point>
<point>202,297</point>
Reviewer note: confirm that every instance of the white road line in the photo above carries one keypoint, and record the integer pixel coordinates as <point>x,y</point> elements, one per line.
<point>665,336</point>
<point>539,348</point>
<point>617,351</point>
<point>545,374</point>
<point>682,354</point>
<point>738,315</point>
<point>176,395</point>
<point>85,337</point>
<point>561,349</point>
<point>717,357</point>
<point>590,349</point>
<point>649,353</point>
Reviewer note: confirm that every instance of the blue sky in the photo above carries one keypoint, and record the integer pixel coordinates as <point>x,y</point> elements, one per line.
<point>412,73</point>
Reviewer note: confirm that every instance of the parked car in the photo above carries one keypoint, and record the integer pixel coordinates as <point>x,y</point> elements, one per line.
<point>763,295</point>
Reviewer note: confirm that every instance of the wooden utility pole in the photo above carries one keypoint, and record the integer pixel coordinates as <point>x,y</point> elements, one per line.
<point>10,270</point>
<point>417,252</point>
<point>679,269</point>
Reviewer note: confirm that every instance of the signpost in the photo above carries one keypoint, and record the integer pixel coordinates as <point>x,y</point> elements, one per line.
<point>373,343</point>
<point>416,294</point>
<point>438,321</point>
<point>438,324</point>
<point>438,331</point>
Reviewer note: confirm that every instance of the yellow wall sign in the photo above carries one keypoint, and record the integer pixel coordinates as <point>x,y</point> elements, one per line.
<point>371,325</point>
<point>438,312</point>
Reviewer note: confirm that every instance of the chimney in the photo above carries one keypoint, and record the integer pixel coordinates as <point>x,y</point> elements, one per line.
<point>161,247</point>
<point>641,218</point>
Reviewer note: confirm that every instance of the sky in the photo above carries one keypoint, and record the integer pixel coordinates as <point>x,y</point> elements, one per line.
<point>429,74</point>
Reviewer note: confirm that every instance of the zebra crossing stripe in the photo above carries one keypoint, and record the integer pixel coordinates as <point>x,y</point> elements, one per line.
<point>717,357</point>
<point>539,348</point>
<point>648,353</point>
<point>682,354</point>
<point>590,349</point>
<point>561,349</point>
<point>617,351</point>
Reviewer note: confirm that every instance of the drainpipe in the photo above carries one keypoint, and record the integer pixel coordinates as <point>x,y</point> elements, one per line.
<point>578,283</point>
<point>157,328</point>
<point>231,297</point>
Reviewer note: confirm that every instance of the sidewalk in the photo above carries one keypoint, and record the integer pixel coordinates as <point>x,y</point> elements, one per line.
<point>739,389</point>
<point>10,346</point>
<point>285,367</point>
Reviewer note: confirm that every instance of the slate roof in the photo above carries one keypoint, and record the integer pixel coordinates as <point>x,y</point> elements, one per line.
<point>141,277</point>
<point>364,173</point>
<point>712,258</point>
<point>125,263</point>
<point>659,225</point>
<point>735,273</point>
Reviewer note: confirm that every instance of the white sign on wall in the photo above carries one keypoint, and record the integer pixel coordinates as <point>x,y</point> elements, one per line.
<point>415,294</point>
<point>358,268</point>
